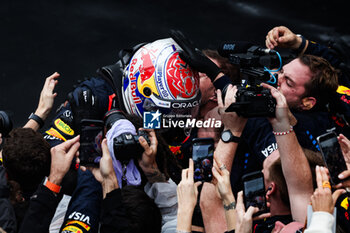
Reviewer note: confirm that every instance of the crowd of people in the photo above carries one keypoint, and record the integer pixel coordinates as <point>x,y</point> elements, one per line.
<point>146,183</point>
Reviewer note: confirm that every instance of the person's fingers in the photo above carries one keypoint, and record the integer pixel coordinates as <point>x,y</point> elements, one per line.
<point>229,95</point>
<point>105,150</point>
<point>275,35</point>
<point>145,145</point>
<point>217,165</point>
<point>216,174</point>
<point>83,168</point>
<point>240,204</point>
<point>324,174</point>
<point>196,185</point>
<point>280,99</point>
<point>153,138</point>
<point>252,210</point>
<point>336,194</point>
<point>219,98</point>
<point>184,174</point>
<point>262,216</point>
<point>343,175</point>
<point>344,139</point>
<point>77,160</point>
<point>190,170</point>
<point>338,186</point>
<point>72,151</point>
<point>318,177</point>
<point>67,144</point>
<point>268,42</point>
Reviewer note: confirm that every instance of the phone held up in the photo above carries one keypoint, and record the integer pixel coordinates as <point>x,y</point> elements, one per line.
<point>254,191</point>
<point>91,137</point>
<point>332,155</point>
<point>202,155</point>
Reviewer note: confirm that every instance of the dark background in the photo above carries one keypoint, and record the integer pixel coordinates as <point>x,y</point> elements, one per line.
<point>76,37</point>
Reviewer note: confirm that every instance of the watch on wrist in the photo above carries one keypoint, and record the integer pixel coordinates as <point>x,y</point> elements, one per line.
<point>37,119</point>
<point>227,137</point>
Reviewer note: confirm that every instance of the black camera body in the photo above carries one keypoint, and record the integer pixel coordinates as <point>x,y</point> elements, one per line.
<point>253,102</point>
<point>127,146</point>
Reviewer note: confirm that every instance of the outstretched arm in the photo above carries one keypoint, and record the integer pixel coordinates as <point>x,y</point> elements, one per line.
<point>43,204</point>
<point>212,209</point>
<point>296,168</point>
<point>47,97</point>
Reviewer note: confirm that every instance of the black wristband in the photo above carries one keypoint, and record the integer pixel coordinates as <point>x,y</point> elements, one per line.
<point>302,45</point>
<point>37,119</point>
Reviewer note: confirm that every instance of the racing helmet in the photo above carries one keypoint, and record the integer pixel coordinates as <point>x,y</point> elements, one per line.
<point>156,78</point>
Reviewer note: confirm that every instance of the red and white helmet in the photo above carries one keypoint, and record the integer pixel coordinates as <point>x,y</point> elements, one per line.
<point>156,78</point>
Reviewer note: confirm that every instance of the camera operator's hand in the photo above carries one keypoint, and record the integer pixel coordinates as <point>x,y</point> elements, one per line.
<point>282,37</point>
<point>284,118</point>
<point>105,173</point>
<point>61,159</point>
<point>194,57</point>
<point>244,219</point>
<point>230,120</point>
<point>148,162</point>
<point>187,194</point>
<point>84,106</point>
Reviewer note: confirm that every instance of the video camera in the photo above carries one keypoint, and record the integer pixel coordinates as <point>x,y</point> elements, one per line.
<point>252,100</point>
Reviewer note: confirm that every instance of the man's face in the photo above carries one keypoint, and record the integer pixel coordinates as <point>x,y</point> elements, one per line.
<point>206,87</point>
<point>291,82</point>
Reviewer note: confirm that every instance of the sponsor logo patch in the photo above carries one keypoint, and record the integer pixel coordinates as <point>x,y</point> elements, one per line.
<point>55,134</point>
<point>63,127</point>
<point>72,229</point>
<point>84,225</point>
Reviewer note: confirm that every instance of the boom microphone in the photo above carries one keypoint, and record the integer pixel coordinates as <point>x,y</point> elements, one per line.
<point>227,48</point>
<point>236,47</point>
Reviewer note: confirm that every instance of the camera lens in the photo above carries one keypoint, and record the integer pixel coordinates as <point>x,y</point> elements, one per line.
<point>5,123</point>
<point>112,116</point>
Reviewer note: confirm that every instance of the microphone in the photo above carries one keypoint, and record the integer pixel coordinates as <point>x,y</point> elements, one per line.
<point>227,48</point>
<point>236,47</point>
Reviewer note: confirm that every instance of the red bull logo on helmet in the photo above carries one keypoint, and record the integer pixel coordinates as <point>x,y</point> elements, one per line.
<point>156,73</point>
<point>182,81</point>
<point>147,68</point>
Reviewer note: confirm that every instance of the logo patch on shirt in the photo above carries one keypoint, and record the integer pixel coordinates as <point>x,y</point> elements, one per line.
<point>55,134</point>
<point>63,127</point>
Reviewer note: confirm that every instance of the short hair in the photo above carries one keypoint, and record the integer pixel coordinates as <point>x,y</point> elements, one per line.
<point>143,213</point>
<point>314,158</point>
<point>226,67</point>
<point>324,79</point>
<point>276,175</point>
<point>26,158</point>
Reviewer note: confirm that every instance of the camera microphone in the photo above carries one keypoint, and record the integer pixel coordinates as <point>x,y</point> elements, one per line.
<point>227,48</point>
<point>236,47</point>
